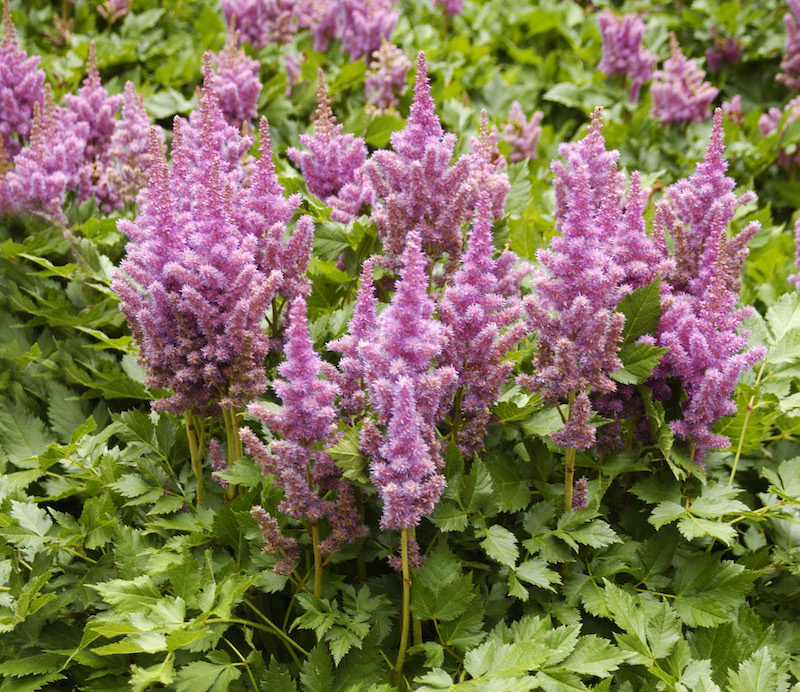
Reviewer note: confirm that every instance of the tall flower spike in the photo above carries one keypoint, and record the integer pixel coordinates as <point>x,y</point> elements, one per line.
<point>387,72</point>
<point>333,158</point>
<point>769,122</point>
<point>678,91</point>
<point>261,22</point>
<point>487,162</point>
<point>236,82</point>
<point>790,63</point>
<point>622,50</point>
<point>415,186</point>
<point>21,86</point>
<point>522,135</point>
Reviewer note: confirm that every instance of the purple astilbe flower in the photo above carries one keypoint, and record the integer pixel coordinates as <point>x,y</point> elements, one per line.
<point>451,6</point>
<point>112,10</point>
<point>790,63</point>
<point>406,341</point>
<point>521,134</point>
<point>21,86</point>
<point>387,73</point>
<point>47,167</point>
<point>483,328</point>
<point>362,326</point>
<point>734,111</point>
<point>699,321</point>
<point>260,22</point>
<point>191,288</point>
<point>218,462</point>
<point>622,50</point>
<point>275,541</point>
<point>405,473</point>
<point>769,123</point>
<point>93,106</point>
<point>236,82</point>
<point>415,186</point>
<point>678,91</point>
<point>487,162</point>
<point>580,495</point>
<point>724,50</point>
<point>129,151</point>
<point>333,157</point>
<point>294,74</point>
<point>306,420</point>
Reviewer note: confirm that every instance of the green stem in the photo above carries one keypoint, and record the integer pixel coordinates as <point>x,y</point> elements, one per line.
<point>747,413</point>
<point>231,420</point>
<point>317,559</point>
<point>196,454</point>
<point>404,615</point>
<point>569,464</point>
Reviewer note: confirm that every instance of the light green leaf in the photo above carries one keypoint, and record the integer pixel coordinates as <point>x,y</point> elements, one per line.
<point>22,435</point>
<point>638,361</point>
<point>201,676</point>
<point>666,512</point>
<point>593,655</point>
<point>535,571</point>
<point>694,527</point>
<point>501,545</point>
<point>642,310</point>
<point>348,457</point>
<point>757,674</point>
<point>784,316</point>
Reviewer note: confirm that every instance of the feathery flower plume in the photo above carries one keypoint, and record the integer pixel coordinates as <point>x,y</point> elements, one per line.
<point>217,461</point>
<point>580,495</point>
<point>734,111</point>
<point>112,10</point>
<point>622,50</point>
<point>678,91</point>
<point>333,159</point>
<point>235,82</point>
<point>724,50</point>
<point>275,541</point>
<point>451,6</point>
<point>699,320</point>
<point>387,73</point>
<point>521,134</point>
<point>487,162</point>
<point>21,86</point>
<point>790,63</point>
<point>260,22</point>
<point>92,105</point>
<point>483,328</point>
<point>769,122</point>
<point>415,186</point>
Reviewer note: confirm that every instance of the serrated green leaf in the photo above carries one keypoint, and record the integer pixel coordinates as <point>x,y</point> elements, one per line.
<point>449,518</point>
<point>463,632</point>
<point>593,655</point>
<point>510,481</point>
<point>535,571</point>
<point>444,603</point>
<point>544,422</point>
<point>31,665</point>
<point>316,674</point>
<point>694,527</point>
<point>501,545</point>
<point>638,362</point>
<point>129,595</point>
<point>22,434</point>
<point>142,678</point>
<point>665,513</point>
<point>716,500</point>
<point>642,310</point>
<point>201,676</point>
<point>348,457</point>
<point>783,316</point>
<point>757,674</point>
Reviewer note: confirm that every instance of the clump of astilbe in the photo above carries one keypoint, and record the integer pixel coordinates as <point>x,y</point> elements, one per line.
<point>415,186</point>
<point>699,321</point>
<point>678,91</point>
<point>387,72</point>
<point>790,63</point>
<point>361,25</point>
<point>451,6</point>
<point>276,542</point>
<point>724,50</point>
<point>622,50</point>
<point>769,122</point>
<point>129,150</point>
<point>333,158</point>
<point>521,134</point>
<point>487,162</point>
<point>92,105</point>
<point>236,82</point>
<point>47,167</point>
<point>362,325</point>
<point>112,10</point>
<point>306,423</point>
<point>734,111</point>
<point>483,328</point>
<point>21,86</point>
<point>260,22</point>
<point>580,495</point>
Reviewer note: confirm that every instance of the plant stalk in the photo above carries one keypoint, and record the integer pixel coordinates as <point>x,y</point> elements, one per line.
<point>194,435</point>
<point>404,615</point>
<point>569,464</point>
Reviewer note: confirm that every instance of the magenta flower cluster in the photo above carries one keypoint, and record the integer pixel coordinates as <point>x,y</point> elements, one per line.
<point>622,50</point>
<point>769,123</point>
<point>521,133</point>
<point>679,92</point>
<point>387,74</point>
<point>236,82</point>
<point>260,22</point>
<point>790,63</point>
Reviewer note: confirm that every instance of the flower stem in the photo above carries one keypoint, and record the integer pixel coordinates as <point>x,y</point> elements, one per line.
<point>404,615</point>
<point>747,413</point>
<point>317,559</point>
<point>195,435</point>
<point>569,464</point>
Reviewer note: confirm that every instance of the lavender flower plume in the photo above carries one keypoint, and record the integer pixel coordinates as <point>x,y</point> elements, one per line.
<point>333,158</point>
<point>483,328</point>
<point>93,106</point>
<point>387,73</point>
<point>521,134</point>
<point>622,50</point>
<point>236,82</point>
<point>415,186</point>
<point>261,22</point>
<point>580,494</point>
<point>405,473</point>
<point>724,50</point>
<point>217,461</point>
<point>21,86</point>
<point>678,91</point>
<point>769,123</point>
<point>486,174</point>
<point>275,541</point>
<point>112,10</point>
<point>451,6</point>
<point>790,63</point>
<point>734,111</point>
<point>191,288</point>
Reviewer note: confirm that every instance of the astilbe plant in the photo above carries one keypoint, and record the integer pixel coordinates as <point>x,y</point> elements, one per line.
<point>622,50</point>
<point>332,164</point>
<point>93,106</point>
<point>679,92</point>
<point>260,22</point>
<point>387,73</point>
<point>521,133</point>
<point>790,63</point>
<point>306,423</point>
<point>725,50</point>
<point>21,86</point>
<point>236,82</point>
<point>483,326</point>
<point>415,186</point>
<point>770,121</point>
<point>699,320</point>
<point>451,6</point>
<point>487,171</point>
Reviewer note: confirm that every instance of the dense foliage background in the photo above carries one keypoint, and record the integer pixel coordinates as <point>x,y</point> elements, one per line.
<point>674,576</point>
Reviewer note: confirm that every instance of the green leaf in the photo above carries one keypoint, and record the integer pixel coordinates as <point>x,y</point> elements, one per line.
<point>501,545</point>
<point>348,457</point>
<point>638,362</point>
<point>642,310</point>
<point>784,316</point>
<point>22,434</point>
<point>201,676</point>
<point>594,656</point>
<point>510,479</point>
<point>693,527</point>
<point>142,678</point>
<point>129,595</point>
<point>443,604</point>
<point>316,675</point>
<point>544,422</point>
<point>380,129</point>
<point>535,571</point>
<point>665,513</point>
<point>757,674</point>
